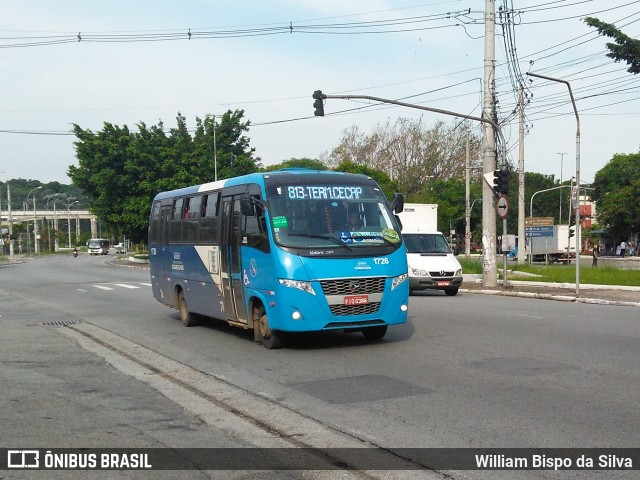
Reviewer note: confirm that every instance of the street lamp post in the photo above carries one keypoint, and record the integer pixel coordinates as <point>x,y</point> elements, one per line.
<point>49,197</point>
<point>576,207</point>
<point>35,222</point>
<point>10,222</point>
<point>69,220</point>
<point>542,191</point>
<point>215,152</point>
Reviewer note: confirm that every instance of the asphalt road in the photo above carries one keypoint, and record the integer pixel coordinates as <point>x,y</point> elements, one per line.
<point>465,371</point>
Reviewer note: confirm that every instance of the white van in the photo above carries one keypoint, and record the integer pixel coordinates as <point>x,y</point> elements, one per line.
<point>431,262</point>
<point>432,265</point>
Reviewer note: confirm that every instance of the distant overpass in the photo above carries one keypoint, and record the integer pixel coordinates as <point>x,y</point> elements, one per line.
<point>56,216</point>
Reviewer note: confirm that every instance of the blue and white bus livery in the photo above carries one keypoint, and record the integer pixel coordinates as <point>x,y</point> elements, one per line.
<point>275,252</point>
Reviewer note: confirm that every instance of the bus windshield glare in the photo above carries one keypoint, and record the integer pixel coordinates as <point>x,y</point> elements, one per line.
<point>316,215</point>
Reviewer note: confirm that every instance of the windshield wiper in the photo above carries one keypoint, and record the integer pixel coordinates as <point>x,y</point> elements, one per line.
<point>324,237</point>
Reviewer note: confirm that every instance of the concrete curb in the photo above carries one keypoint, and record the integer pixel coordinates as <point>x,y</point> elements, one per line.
<point>477,278</point>
<point>123,263</point>
<point>559,298</point>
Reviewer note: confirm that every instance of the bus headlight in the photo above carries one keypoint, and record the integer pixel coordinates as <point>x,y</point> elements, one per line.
<point>398,280</point>
<point>299,284</point>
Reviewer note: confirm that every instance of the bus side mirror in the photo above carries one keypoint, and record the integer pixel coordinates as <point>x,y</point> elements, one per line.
<point>247,208</point>
<point>397,204</point>
<point>252,207</point>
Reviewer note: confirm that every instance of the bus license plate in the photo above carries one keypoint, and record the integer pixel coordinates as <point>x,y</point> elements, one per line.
<point>443,284</point>
<point>356,299</point>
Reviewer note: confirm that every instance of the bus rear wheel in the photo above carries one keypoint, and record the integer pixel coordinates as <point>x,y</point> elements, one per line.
<point>187,318</point>
<point>270,339</point>
<point>374,333</point>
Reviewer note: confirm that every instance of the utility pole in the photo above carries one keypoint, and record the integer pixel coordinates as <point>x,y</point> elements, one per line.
<point>489,268</point>
<point>467,205</point>
<point>521,212</point>
<point>215,152</point>
<point>36,234</point>
<point>10,222</point>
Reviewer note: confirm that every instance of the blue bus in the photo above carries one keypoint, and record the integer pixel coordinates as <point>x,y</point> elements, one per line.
<point>293,250</point>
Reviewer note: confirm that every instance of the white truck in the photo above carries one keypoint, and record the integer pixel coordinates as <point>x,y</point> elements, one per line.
<point>432,265</point>
<point>554,248</point>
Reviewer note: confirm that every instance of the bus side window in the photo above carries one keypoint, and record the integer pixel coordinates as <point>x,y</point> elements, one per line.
<point>209,219</point>
<point>255,229</point>
<point>154,224</point>
<point>191,214</point>
<point>175,232</point>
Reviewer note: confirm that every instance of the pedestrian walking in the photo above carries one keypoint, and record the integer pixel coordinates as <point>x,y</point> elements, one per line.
<point>594,255</point>
<point>623,248</point>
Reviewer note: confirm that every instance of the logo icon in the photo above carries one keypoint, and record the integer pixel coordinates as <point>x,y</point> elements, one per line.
<point>23,459</point>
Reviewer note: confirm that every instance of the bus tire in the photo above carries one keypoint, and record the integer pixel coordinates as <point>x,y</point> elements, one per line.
<point>374,333</point>
<point>187,318</point>
<point>269,338</point>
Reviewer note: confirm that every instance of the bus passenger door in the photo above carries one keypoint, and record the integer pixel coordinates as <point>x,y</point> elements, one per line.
<point>232,286</point>
<point>163,243</point>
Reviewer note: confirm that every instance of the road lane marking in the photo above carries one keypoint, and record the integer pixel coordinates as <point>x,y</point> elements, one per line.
<point>102,287</point>
<point>526,316</point>
<point>124,285</point>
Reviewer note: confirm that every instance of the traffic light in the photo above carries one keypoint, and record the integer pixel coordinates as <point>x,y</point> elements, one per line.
<point>496,184</point>
<point>500,182</point>
<point>318,104</point>
<point>503,181</point>
<point>572,231</point>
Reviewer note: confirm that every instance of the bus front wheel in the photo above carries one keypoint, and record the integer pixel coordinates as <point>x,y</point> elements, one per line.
<point>187,318</point>
<point>270,339</point>
<point>374,333</point>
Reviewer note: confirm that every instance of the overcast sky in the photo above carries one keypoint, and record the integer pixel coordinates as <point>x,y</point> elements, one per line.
<point>268,57</point>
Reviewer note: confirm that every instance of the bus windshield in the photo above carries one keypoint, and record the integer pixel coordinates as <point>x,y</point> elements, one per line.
<point>316,215</point>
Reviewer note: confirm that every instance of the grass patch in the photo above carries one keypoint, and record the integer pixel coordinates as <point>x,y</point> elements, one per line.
<point>603,275</point>
<point>471,264</point>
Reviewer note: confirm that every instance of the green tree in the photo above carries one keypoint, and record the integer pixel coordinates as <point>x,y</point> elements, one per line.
<point>120,171</point>
<point>410,152</point>
<point>545,204</point>
<point>389,187</point>
<point>297,163</point>
<point>625,48</point>
<point>617,193</point>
